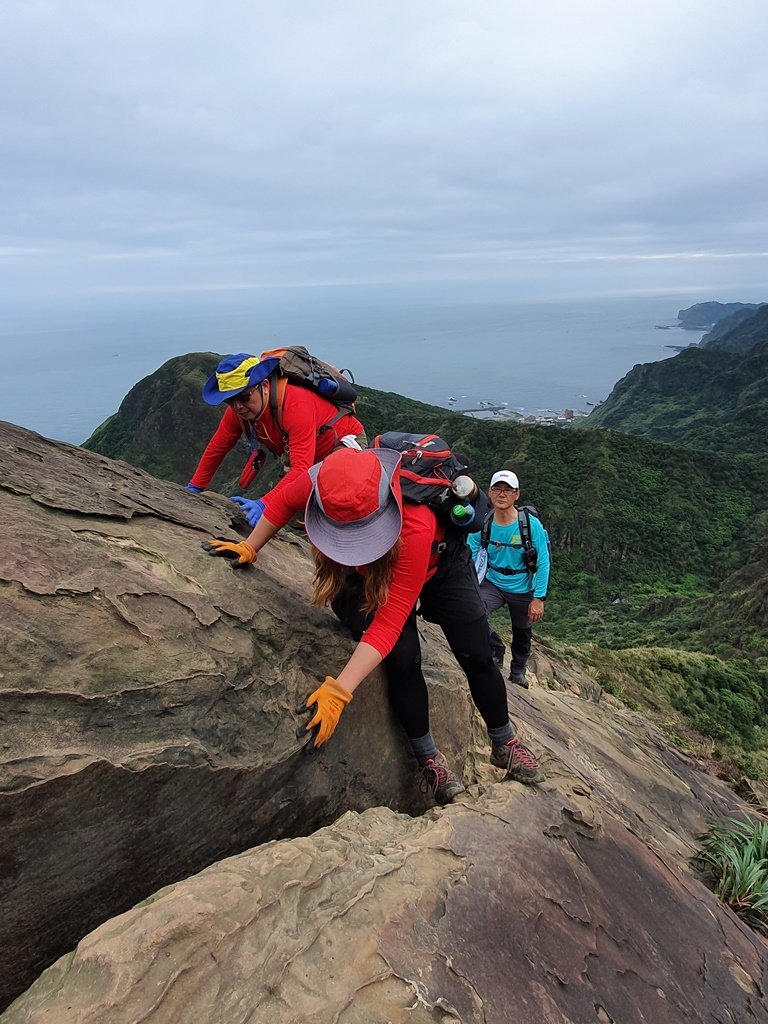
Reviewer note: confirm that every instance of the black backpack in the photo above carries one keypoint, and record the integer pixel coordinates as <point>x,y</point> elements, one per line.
<point>530,557</point>
<point>428,468</point>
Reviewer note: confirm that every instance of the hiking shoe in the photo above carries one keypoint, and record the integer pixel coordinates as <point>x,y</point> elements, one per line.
<point>519,680</point>
<point>438,779</point>
<point>517,761</point>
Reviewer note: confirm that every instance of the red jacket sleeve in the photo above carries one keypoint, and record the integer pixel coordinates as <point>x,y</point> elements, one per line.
<point>223,441</point>
<point>282,504</point>
<point>412,570</point>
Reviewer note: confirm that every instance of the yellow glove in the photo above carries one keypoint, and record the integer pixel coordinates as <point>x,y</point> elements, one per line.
<point>241,553</point>
<point>331,699</point>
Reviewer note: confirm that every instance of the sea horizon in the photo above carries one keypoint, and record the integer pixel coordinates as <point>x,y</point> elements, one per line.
<point>531,356</point>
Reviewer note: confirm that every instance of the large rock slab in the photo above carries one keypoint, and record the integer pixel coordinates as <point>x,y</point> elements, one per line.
<point>568,903</point>
<point>148,698</point>
<point>507,906</point>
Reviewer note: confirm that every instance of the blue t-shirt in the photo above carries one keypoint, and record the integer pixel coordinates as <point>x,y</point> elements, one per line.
<point>505,551</point>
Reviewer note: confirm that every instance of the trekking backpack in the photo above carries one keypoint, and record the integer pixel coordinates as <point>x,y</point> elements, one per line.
<point>298,366</point>
<point>530,555</point>
<point>428,468</point>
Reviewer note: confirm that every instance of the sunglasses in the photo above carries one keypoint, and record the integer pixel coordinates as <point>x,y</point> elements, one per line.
<point>243,397</point>
<point>505,488</point>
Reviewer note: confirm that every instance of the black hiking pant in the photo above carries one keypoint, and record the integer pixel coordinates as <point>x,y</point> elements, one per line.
<point>522,630</point>
<point>452,600</point>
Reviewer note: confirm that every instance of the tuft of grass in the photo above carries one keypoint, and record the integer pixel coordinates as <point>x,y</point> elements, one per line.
<point>734,862</point>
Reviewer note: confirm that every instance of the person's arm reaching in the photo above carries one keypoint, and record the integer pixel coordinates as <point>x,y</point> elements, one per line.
<point>278,512</point>
<point>227,434</point>
<point>408,577</point>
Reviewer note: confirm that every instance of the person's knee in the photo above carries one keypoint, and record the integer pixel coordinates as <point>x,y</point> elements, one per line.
<point>475,660</point>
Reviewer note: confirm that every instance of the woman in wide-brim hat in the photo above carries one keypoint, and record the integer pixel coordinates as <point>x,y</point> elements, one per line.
<point>375,556</point>
<point>310,425</point>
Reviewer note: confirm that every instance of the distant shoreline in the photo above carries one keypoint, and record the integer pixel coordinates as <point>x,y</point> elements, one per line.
<point>550,418</point>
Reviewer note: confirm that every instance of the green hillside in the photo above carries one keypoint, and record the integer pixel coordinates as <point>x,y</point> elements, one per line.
<point>738,333</point>
<point>703,398</point>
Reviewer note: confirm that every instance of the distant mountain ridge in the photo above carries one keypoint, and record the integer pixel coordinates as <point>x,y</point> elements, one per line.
<point>736,333</point>
<point>713,398</point>
<point>706,314</point>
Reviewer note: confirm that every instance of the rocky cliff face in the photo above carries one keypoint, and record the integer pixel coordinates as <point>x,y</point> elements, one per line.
<point>147,699</point>
<point>564,904</point>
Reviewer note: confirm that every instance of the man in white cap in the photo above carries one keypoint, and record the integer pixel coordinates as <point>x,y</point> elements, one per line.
<point>512,561</point>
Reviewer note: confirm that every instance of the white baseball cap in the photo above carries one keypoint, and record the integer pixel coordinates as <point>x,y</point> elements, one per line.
<point>505,476</point>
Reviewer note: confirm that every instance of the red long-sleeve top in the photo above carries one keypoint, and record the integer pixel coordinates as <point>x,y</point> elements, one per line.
<point>416,563</point>
<point>302,415</point>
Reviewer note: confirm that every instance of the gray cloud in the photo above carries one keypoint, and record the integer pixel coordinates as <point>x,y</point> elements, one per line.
<point>550,147</point>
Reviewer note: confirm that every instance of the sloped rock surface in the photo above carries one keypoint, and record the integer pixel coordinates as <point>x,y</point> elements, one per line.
<point>508,906</point>
<point>148,697</point>
<point>147,704</point>
<point>566,903</point>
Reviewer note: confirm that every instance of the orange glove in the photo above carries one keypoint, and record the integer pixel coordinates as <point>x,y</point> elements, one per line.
<point>241,553</point>
<point>331,699</point>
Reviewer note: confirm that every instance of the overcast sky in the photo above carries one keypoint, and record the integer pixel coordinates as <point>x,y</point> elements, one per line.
<point>558,147</point>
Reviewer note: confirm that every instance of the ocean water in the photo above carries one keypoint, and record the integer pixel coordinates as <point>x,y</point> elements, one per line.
<point>66,367</point>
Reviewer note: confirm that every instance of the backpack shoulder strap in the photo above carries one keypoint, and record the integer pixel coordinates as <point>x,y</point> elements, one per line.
<point>525,527</point>
<point>346,410</point>
<point>485,532</point>
<point>277,386</point>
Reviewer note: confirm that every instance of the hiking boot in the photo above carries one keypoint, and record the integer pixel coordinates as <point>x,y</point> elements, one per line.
<point>519,680</point>
<point>517,761</point>
<point>438,779</point>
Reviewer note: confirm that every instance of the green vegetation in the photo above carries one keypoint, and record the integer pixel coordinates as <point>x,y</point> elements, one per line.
<point>738,341</point>
<point>653,527</point>
<point>711,398</point>
<point>734,862</point>
<point>660,552</point>
<point>725,701</point>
